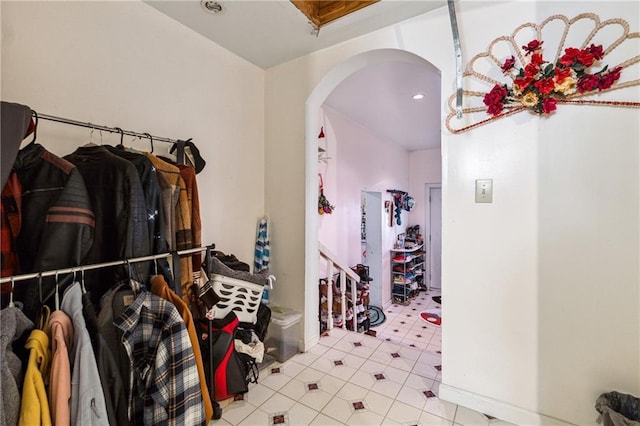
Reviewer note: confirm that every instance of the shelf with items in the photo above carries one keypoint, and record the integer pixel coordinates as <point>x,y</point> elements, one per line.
<point>357,305</point>
<point>407,273</point>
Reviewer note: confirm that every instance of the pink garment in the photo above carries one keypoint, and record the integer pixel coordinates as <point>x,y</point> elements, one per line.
<point>61,334</point>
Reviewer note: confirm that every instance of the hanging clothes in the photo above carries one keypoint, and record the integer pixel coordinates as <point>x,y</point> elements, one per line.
<point>188,174</point>
<point>160,288</point>
<point>164,381</point>
<point>14,125</point>
<point>118,202</point>
<point>60,333</point>
<point>180,227</point>
<point>10,209</point>
<point>262,251</point>
<point>57,220</point>
<point>34,409</point>
<point>13,324</point>
<point>153,201</point>
<point>113,386</point>
<point>87,399</point>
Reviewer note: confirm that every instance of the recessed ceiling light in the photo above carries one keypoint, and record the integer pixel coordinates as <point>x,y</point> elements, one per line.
<point>212,7</point>
<point>418,96</point>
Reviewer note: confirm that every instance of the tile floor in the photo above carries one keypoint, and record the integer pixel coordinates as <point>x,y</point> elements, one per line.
<point>356,379</point>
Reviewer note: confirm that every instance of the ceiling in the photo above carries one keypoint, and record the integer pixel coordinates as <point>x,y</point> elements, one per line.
<point>271,32</point>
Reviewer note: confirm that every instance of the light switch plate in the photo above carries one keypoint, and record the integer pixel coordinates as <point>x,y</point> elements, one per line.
<point>484,191</point>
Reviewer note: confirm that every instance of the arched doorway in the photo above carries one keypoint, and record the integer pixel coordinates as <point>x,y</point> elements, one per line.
<point>312,124</point>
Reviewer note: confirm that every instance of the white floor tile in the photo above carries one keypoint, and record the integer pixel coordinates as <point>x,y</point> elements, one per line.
<point>428,419</point>
<point>403,413</point>
<point>322,420</point>
<point>256,418</point>
<point>277,403</point>
<point>466,417</point>
<point>235,413</point>
<point>365,418</point>
<point>338,409</point>
<point>300,414</point>
<point>440,408</point>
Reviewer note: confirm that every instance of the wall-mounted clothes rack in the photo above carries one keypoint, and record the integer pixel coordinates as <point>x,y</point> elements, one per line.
<point>82,268</point>
<point>178,142</point>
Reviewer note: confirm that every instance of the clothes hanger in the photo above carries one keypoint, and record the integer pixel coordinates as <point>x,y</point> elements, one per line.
<point>90,143</point>
<point>121,146</point>
<point>57,293</point>
<point>13,287</point>
<point>35,128</point>
<point>150,140</point>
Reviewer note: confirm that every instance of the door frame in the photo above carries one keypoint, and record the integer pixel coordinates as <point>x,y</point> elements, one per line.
<point>427,213</point>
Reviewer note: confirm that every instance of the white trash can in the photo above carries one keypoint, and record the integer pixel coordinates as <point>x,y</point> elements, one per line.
<point>283,332</point>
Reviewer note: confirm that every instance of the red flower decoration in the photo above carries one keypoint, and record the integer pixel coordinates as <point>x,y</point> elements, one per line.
<point>549,105</point>
<point>532,46</point>
<point>538,85</point>
<point>508,64</point>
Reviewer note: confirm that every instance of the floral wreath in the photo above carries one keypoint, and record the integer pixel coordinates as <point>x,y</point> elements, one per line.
<point>538,84</point>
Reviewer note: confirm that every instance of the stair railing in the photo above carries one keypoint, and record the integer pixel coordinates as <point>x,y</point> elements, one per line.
<point>331,264</point>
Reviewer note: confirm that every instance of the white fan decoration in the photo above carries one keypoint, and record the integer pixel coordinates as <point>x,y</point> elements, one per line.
<point>542,66</point>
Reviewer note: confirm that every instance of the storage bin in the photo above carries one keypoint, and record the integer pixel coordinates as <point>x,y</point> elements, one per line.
<point>239,296</point>
<point>283,334</point>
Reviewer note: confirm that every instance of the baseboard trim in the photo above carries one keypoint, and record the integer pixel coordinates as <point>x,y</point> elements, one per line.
<point>498,409</point>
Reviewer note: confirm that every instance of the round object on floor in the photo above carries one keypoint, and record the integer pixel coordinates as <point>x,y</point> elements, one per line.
<point>377,316</point>
<point>431,318</point>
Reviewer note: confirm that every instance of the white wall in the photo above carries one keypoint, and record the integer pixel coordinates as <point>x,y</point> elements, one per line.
<point>541,287</point>
<point>126,64</point>
<point>363,162</point>
<point>425,166</point>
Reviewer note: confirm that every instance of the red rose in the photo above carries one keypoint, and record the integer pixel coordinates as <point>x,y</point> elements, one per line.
<point>544,86</point>
<point>531,70</point>
<point>596,51</point>
<point>508,64</point>
<point>495,109</point>
<point>585,58</point>
<point>549,105</point>
<point>587,83</point>
<point>532,46</point>
<point>607,80</point>
<point>570,54</point>
<point>495,96</point>
<point>536,58</point>
<point>522,83</point>
<point>561,74</point>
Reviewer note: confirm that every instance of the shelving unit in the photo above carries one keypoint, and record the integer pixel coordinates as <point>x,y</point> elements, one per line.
<point>407,273</point>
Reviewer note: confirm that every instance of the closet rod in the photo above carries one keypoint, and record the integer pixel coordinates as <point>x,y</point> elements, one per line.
<point>102,265</point>
<point>105,128</point>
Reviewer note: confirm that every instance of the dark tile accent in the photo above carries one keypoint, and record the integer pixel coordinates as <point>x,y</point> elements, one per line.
<point>489,417</point>
<point>418,335</point>
<point>429,394</point>
<point>278,419</point>
<point>412,345</point>
<point>357,344</point>
<point>338,362</point>
<point>396,330</point>
<point>438,352</point>
<point>379,376</point>
<point>395,355</point>
<point>238,397</point>
<point>402,322</point>
<point>276,370</point>
<point>358,405</point>
<point>387,339</point>
<point>438,367</point>
<point>312,386</point>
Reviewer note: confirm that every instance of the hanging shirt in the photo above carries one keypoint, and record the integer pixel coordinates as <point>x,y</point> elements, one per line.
<point>87,398</point>
<point>164,381</point>
<point>13,323</point>
<point>60,332</point>
<point>160,288</point>
<point>35,406</point>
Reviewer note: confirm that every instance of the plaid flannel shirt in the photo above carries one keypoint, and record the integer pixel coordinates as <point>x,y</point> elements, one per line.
<point>164,382</point>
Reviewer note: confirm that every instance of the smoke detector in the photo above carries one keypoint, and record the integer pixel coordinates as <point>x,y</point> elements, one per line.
<point>212,6</point>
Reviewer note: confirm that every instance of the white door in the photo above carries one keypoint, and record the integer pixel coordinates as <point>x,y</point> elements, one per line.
<point>435,236</point>
<point>372,249</point>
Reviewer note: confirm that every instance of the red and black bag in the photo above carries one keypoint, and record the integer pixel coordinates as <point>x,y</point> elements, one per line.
<point>230,371</point>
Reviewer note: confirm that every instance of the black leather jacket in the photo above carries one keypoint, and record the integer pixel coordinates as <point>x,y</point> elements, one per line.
<point>57,221</point>
<point>118,203</point>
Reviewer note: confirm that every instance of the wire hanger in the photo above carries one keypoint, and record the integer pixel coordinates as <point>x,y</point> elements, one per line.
<point>150,140</point>
<point>121,139</point>
<point>35,127</point>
